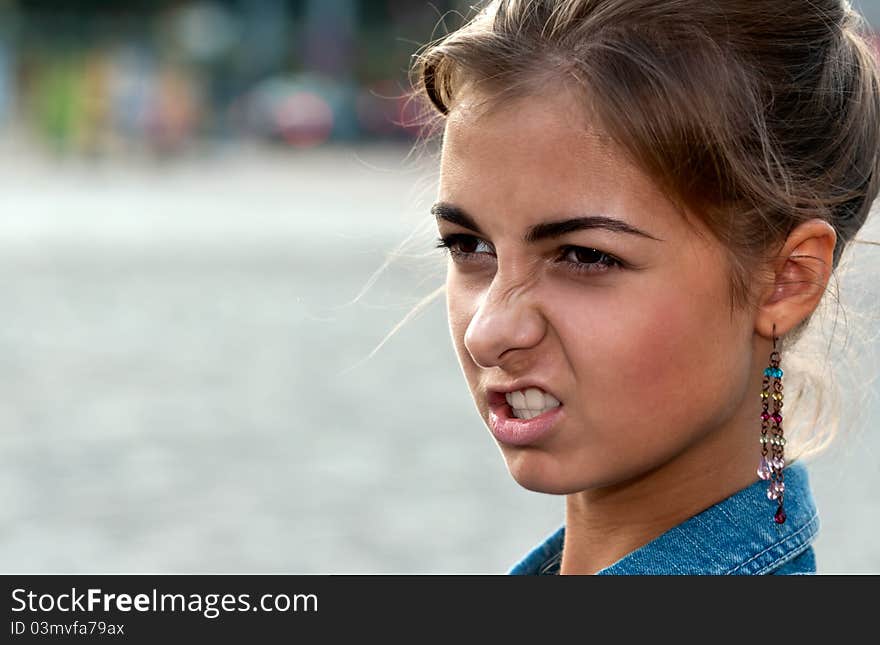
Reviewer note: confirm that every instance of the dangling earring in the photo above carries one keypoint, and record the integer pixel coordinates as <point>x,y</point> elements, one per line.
<point>772,460</point>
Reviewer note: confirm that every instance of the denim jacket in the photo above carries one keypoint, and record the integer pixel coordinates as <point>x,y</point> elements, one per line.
<point>736,536</point>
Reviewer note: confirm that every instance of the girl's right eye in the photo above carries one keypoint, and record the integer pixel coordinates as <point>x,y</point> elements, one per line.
<point>463,246</point>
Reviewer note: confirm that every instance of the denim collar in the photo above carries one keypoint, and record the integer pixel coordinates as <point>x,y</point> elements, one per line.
<point>735,536</point>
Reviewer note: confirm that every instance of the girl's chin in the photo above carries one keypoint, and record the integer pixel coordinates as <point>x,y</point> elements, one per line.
<point>541,474</point>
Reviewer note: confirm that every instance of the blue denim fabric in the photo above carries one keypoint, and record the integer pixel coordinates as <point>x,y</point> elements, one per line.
<point>736,536</point>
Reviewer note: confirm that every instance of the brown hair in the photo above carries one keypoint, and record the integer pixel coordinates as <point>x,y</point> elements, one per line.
<point>755,119</point>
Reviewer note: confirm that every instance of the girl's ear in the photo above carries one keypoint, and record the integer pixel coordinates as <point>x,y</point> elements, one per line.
<point>801,274</point>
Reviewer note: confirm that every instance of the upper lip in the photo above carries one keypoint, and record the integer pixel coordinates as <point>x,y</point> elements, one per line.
<point>497,393</point>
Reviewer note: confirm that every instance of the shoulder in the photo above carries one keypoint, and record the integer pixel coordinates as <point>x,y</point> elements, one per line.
<point>802,564</point>
<point>736,536</point>
<point>543,559</point>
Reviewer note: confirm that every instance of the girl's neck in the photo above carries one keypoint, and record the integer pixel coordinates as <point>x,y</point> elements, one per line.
<point>602,525</point>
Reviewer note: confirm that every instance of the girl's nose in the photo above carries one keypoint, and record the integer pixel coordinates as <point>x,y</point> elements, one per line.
<point>507,319</point>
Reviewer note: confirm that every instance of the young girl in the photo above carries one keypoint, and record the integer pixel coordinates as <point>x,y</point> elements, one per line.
<point>643,202</point>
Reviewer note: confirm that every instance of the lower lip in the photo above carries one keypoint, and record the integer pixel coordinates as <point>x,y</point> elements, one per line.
<point>521,432</point>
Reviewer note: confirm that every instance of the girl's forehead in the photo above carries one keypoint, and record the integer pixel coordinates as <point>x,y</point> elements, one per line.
<point>536,138</point>
<point>558,115</point>
<point>538,152</point>
<point>535,160</point>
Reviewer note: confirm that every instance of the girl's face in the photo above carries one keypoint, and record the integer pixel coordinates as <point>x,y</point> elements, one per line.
<point>570,272</point>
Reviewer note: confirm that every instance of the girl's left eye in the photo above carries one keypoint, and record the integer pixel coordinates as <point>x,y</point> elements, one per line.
<point>586,260</point>
<point>579,259</point>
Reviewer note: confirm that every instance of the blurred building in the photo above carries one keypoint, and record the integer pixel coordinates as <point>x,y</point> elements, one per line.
<point>92,77</point>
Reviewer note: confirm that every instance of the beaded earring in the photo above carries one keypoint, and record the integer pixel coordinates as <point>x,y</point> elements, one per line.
<point>772,460</point>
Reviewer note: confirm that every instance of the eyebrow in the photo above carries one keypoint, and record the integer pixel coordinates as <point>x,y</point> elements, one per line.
<point>545,230</point>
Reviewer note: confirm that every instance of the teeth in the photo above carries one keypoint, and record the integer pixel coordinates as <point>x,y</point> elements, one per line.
<point>531,402</point>
<point>528,414</point>
<point>534,398</point>
<point>517,399</point>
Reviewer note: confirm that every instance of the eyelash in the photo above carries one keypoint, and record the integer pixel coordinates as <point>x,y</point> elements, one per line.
<point>449,243</point>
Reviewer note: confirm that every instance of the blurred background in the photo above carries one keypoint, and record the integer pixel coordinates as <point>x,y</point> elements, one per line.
<point>196,200</point>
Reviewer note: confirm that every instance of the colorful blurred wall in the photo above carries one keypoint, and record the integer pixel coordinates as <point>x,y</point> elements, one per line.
<point>95,78</point>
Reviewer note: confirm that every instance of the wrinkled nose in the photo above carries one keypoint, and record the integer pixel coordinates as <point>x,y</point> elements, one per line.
<point>507,319</point>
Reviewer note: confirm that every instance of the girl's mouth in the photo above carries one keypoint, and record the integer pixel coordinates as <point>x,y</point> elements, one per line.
<point>522,426</point>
